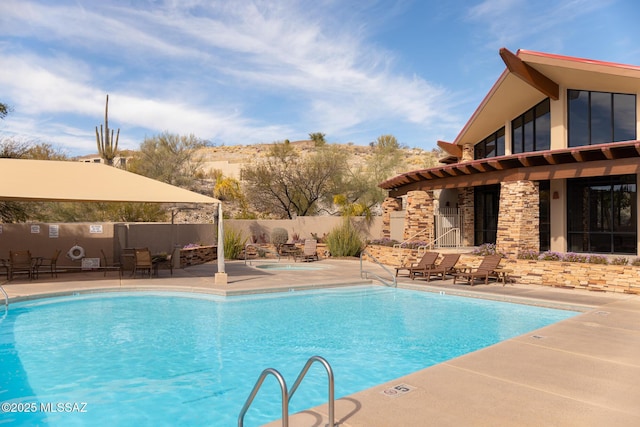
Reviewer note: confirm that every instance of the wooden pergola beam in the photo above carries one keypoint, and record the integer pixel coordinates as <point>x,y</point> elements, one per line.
<point>530,75</point>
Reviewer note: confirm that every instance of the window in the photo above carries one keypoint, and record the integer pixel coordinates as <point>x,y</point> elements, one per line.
<point>602,214</point>
<point>486,202</point>
<point>600,117</point>
<point>544,207</point>
<point>532,130</point>
<point>491,146</point>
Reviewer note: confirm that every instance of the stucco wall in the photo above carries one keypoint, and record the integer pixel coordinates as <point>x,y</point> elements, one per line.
<point>260,230</point>
<point>43,240</point>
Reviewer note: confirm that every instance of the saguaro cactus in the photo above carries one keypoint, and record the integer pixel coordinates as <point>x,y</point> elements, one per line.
<point>106,146</point>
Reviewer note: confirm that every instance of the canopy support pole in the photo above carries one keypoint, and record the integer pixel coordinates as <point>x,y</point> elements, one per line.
<point>221,275</point>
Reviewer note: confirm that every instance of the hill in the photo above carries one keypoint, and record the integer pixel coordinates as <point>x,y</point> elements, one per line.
<point>231,159</point>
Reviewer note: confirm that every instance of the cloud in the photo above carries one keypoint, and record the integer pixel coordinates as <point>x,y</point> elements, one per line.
<point>509,22</point>
<point>221,70</point>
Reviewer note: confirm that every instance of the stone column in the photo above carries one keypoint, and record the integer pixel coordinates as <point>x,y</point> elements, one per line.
<point>390,204</point>
<point>465,204</point>
<point>518,218</point>
<point>419,218</point>
<point>467,153</point>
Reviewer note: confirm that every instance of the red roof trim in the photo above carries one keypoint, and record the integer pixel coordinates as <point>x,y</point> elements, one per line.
<point>576,59</point>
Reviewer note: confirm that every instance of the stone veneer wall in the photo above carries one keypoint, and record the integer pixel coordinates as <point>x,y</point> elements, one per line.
<point>518,218</point>
<point>390,204</point>
<point>465,204</point>
<point>419,219</point>
<point>593,277</point>
<point>199,255</point>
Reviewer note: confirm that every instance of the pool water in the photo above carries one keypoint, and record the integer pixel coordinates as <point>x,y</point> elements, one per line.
<point>292,267</point>
<point>188,359</point>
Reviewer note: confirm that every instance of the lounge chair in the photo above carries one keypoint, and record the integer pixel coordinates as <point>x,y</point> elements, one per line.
<point>485,269</point>
<point>20,262</point>
<point>427,260</point>
<point>446,266</point>
<point>309,251</point>
<point>48,264</point>
<point>106,265</point>
<point>143,261</point>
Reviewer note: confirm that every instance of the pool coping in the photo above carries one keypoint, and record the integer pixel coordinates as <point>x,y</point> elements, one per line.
<point>484,388</point>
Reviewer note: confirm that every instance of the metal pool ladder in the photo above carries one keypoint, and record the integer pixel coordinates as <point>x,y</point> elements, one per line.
<point>6,298</point>
<point>288,394</point>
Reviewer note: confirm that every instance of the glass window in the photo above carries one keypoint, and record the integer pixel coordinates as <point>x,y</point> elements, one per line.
<point>491,146</point>
<point>600,117</point>
<point>545,215</point>
<point>486,206</point>
<point>532,130</point>
<point>624,117</point>
<point>602,214</point>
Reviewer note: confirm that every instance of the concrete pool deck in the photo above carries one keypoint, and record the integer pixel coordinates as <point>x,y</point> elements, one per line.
<point>584,371</point>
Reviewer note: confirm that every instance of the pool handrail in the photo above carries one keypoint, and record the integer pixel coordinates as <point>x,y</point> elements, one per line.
<point>6,297</point>
<point>327,367</point>
<point>255,245</point>
<point>288,394</point>
<point>256,387</point>
<point>365,273</point>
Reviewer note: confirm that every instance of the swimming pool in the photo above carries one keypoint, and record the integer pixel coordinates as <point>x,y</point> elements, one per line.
<point>188,359</point>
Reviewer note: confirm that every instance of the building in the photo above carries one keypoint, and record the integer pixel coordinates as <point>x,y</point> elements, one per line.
<point>548,161</point>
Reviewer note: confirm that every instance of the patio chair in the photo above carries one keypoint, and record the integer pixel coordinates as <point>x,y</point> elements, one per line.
<point>110,266</point>
<point>309,251</point>
<point>485,269</point>
<point>427,260</point>
<point>20,262</point>
<point>143,261</point>
<point>48,264</point>
<point>446,266</point>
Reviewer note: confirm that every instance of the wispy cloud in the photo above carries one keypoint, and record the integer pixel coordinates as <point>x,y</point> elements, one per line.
<point>202,67</point>
<point>509,22</point>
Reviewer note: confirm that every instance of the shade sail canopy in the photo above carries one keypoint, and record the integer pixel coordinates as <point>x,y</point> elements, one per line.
<point>68,181</point>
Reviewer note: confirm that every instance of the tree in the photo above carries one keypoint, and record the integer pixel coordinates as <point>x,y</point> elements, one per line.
<point>286,184</point>
<point>318,139</point>
<point>359,192</point>
<point>107,148</point>
<point>4,110</point>
<point>169,158</point>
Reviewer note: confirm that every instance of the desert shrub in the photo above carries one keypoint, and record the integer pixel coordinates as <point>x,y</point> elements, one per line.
<point>619,260</point>
<point>550,256</point>
<point>414,244</point>
<point>487,249</point>
<point>234,242</point>
<point>636,262</point>
<point>574,257</point>
<point>385,241</point>
<point>279,236</point>
<point>319,239</point>
<point>598,259</point>
<point>344,240</point>
<point>530,254</point>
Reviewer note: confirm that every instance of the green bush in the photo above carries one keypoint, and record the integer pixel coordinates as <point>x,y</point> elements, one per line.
<point>598,259</point>
<point>344,240</point>
<point>233,243</point>
<point>620,260</point>
<point>279,236</point>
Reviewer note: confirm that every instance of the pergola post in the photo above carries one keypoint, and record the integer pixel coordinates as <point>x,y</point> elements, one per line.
<point>221,275</point>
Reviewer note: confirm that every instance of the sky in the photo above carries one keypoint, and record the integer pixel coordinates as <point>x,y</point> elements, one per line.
<point>250,71</point>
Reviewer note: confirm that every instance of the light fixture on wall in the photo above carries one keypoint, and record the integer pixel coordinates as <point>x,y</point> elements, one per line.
<point>556,196</point>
